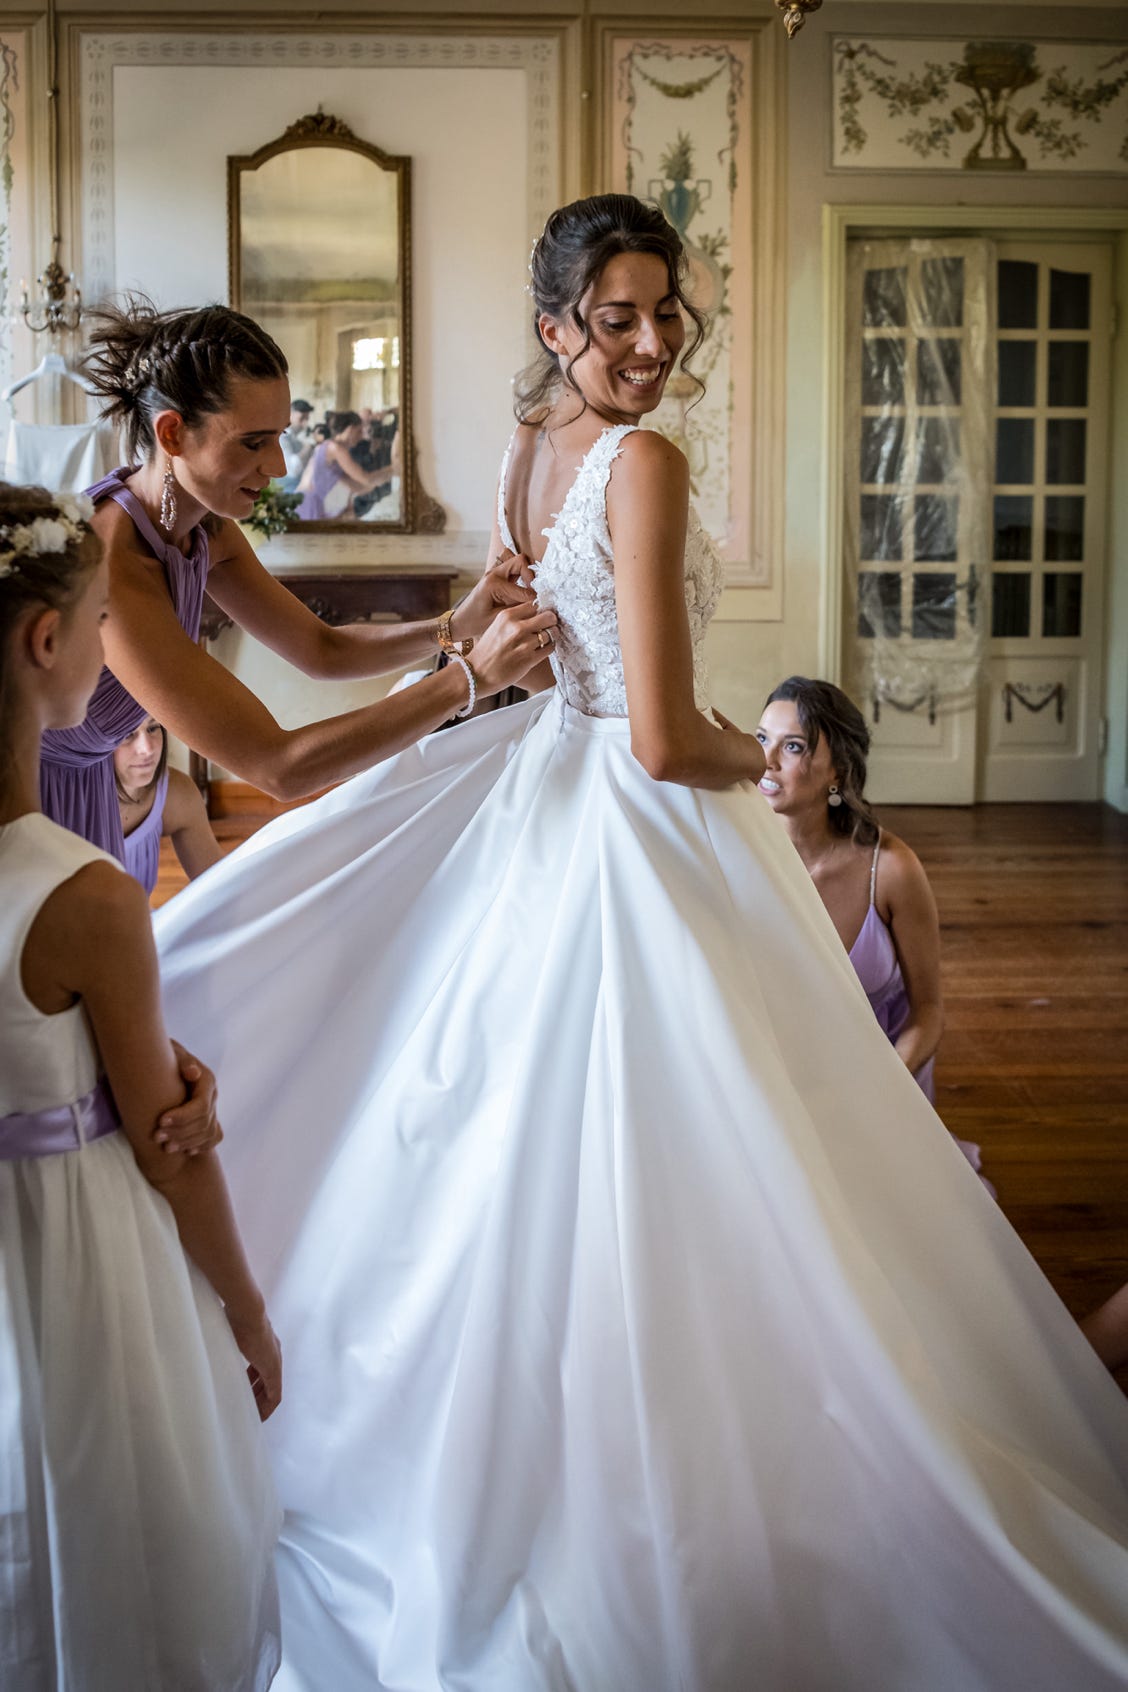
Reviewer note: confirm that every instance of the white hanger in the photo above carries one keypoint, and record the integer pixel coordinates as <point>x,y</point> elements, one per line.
<point>51,364</point>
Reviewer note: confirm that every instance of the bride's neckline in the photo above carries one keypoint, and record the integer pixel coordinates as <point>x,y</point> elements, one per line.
<point>547,534</point>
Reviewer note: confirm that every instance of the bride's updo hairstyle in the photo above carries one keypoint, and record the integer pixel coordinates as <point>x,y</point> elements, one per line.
<point>142,361</point>
<point>826,712</point>
<point>578,241</point>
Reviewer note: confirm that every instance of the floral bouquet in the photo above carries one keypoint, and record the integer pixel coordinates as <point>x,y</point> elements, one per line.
<point>274,510</point>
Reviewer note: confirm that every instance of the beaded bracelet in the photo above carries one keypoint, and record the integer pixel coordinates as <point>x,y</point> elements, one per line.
<point>471,681</point>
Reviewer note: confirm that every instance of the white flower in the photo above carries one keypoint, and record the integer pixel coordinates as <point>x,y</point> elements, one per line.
<point>43,536</point>
<point>49,534</point>
<point>76,507</point>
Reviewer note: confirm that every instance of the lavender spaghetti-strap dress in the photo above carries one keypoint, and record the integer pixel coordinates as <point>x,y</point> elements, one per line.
<point>143,844</point>
<point>878,968</point>
<point>76,776</point>
<point>324,475</point>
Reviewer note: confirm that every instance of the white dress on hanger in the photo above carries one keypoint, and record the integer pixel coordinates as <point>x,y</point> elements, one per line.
<point>63,457</point>
<point>644,1329</point>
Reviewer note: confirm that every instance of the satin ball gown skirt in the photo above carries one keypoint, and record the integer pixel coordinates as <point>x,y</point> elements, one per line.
<point>645,1330</point>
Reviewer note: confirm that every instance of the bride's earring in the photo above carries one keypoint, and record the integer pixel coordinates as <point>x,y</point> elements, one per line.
<point>168,499</point>
<point>833,797</point>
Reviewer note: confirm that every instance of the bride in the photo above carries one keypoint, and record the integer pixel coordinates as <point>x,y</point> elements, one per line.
<point>644,1328</point>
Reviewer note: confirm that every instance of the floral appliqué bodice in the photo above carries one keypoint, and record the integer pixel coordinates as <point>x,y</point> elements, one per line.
<point>576,579</point>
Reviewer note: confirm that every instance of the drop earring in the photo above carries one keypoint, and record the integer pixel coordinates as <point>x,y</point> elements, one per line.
<point>834,798</point>
<point>168,499</point>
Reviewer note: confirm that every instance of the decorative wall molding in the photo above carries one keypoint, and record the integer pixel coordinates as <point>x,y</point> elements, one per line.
<point>693,120</point>
<point>1000,106</point>
<point>10,72</point>
<point>465,550</point>
<point>97,52</point>
<point>100,51</point>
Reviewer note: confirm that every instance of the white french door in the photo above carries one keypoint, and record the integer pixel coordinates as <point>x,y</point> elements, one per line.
<point>1041,695</point>
<point>976,430</point>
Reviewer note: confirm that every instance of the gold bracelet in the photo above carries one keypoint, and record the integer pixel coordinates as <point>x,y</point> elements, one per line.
<point>446,642</point>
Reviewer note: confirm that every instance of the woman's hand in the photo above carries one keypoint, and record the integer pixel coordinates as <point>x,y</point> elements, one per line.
<point>498,587</point>
<point>756,761</point>
<point>517,639</point>
<point>258,1343</point>
<point>192,1126</point>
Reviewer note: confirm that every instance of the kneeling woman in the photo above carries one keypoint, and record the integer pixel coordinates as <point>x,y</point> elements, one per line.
<point>875,891</point>
<point>153,801</point>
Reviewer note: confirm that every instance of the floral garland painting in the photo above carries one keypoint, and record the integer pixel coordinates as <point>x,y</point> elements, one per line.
<point>680,137</point>
<point>9,87</point>
<point>1047,106</point>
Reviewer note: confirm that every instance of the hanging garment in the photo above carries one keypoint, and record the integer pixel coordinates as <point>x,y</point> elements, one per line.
<point>63,457</point>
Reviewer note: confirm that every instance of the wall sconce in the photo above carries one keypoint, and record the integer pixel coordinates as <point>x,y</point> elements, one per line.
<point>52,311</point>
<point>795,13</point>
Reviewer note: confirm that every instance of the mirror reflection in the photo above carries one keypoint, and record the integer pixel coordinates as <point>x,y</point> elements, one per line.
<point>318,259</point>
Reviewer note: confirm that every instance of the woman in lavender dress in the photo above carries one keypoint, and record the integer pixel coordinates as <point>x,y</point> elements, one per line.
<point>154,801</point>
<point>815,741</point>
<point>333,476</point>
<point>203,398</point>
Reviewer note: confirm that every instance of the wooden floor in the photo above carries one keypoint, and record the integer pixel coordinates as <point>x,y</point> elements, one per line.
<point>1034,910</point>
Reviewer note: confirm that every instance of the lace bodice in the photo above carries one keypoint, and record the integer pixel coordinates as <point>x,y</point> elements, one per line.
<point>576,579</point>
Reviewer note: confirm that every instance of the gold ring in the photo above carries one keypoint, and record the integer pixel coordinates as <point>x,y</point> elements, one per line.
<point>544,638</point>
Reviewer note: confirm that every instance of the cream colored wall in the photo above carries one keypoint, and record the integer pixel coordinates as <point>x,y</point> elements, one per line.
<point>1116,766</point>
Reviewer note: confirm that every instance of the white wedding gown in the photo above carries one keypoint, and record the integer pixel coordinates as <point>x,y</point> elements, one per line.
<point>643,1328</point>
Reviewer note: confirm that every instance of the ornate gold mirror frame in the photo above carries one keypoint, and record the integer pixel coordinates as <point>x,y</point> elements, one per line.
<point>416,511</point>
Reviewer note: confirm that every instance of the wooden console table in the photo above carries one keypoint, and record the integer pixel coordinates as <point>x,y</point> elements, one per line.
<point>357,596</point>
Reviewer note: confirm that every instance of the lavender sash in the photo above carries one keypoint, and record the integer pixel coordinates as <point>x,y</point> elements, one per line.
<point>64,1128</point>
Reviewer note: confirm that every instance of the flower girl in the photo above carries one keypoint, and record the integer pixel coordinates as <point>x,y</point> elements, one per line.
<point>137,1517</point>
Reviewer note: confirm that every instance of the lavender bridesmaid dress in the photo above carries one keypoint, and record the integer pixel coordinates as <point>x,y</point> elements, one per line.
<point>143,844</point>
<point>323,476</point>
<point>76,776</point>
<point>875,961</point>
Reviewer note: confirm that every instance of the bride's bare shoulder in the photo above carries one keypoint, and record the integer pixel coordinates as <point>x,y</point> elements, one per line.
<point>647,456</point>
<point>648,468</point>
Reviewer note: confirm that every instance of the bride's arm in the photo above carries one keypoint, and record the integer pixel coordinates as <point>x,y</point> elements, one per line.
<point>647,508</point>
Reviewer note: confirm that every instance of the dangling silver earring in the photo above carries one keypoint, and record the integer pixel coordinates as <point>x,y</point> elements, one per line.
<point>168,499</point>
<point>834,797</point>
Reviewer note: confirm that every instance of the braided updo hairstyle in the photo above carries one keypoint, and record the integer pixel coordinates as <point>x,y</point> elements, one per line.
<point>578,241</point>
<point>826,712</point>
<point>142,361</point>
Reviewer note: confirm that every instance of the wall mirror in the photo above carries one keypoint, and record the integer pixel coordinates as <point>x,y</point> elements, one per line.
<point>319,228</point>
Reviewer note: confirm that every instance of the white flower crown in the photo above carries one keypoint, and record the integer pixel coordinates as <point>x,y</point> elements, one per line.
<point>40,536</point>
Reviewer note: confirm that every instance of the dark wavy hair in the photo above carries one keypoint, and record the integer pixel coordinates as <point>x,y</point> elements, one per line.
<point>579,240</point>
<point>338,421</point>
<point>48,581</point>
<point>141,361</point>
<point>162,764</point>
<point>826,713</point>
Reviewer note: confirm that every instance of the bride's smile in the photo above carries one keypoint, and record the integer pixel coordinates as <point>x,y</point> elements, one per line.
<point>623,340</point>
